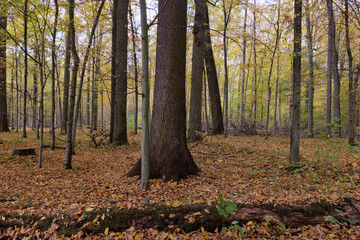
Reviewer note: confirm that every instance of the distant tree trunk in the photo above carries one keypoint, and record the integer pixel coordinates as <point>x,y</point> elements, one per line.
<point>93,125</point>
<point>276,91</point>
<point>4,125</point>
<point>17,90</point>
<point>70,116</point>
<point>120,128</point>
<point>66,81</point>
<point>295,125</point>
<point>310,55</point>
<point>268,97</point>
<point>133,38</point>
<point>41,121</point>
<point>215,101</point>
<point>82,74</point>
<point>255,68</point>
<point>195,125</point>
<point>329,70</point>
<point>169,154</point>
<point>60,117</point>
<point>25,67</point>
<point>335,71</point>
<point>353,83</point>
<point>88,99</point>
<point>242,102</point>
<point>53,76</point>
<point>113,67</point>
<point>205,102</point>
<point>35,97</point>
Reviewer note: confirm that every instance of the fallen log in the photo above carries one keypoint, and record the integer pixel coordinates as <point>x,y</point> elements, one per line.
<point>193,217</point>
<point>24,152</point>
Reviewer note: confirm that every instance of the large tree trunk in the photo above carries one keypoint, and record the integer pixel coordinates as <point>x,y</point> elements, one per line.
<point>352,84</point>
<point>195,126</point>
<point>310,55</point>
<point>4,125</point>
<point>169,154</point>
<point>135,61</point>
<point>120,128</point>
<point>215,102</point>
<point>242,97</point>
<point>113,67</point>
<point>295,120</point>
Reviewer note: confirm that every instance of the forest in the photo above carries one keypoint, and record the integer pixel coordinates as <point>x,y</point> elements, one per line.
<point>176,119</point>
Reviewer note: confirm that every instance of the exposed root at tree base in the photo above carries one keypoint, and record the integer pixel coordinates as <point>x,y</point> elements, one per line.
<point>187,217</point>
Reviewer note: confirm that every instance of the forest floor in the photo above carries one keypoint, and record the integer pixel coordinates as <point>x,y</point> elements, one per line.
<point>246,170</point>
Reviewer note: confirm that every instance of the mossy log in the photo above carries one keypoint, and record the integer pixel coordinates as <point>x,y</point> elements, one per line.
<point>191,217</point>
<point>24,152</point>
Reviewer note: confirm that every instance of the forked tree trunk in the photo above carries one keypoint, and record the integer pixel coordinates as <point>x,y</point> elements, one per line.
<point>169,154</point>
<point>295,125</point>
<point>120,128</point>
<point>215,102</point>
<point>195,125</point>
<point>4,125</point>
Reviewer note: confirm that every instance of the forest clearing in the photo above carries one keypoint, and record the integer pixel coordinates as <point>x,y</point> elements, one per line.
<point>248,171</point>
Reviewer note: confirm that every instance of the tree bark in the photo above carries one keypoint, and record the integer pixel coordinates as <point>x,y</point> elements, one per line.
<point>214,92</point>
<point>120,122</point>
<point>4,125</point>
<point>295,120</point>
<point>169,154</point>
<point>195,124</point>
<point>242,97</point>
<point>53,76</point>
<point>25,67</point>
<point>70,116</point>
<point>310,56</point>
<point>329,71</point>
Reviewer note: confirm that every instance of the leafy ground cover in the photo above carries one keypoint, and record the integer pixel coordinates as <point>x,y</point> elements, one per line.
<point>244,170</point>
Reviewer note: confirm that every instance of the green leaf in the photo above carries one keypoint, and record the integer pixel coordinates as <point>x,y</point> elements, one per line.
<point>269,218</point>
<point>282,225</point>
<point>331,219</point>
<point>222,202</point>
<point>221,211</point>
<point>224,229</point>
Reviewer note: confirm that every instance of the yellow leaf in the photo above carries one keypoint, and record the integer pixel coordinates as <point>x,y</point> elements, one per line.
<point>249,223</point>
<point>332,235</point>
<point>170,237</point>
<point>171,226</point>
<point>103,217</point>
<point>197,213</point>
<point>89,209</point>
<point>106,231</point>
<point>43,218</point>
<point>131,229</point>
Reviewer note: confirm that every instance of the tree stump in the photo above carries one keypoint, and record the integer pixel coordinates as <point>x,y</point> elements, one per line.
<point>24,152</point>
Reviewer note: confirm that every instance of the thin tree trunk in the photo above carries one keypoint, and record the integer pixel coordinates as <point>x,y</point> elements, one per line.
<point>4,125</point>
<point>310,56</point>
<point>135,70</point>
<point>83,70</point>
<point>205,102</point>
<point>276,91</point>
<point>195,124</point>
<point>215,101</point>
<point>329,71</point>
<point>70,116</point>
<point>25,67</point>
<point>295,126</point>
<point>53,72</point>
<point>41,107</point>
<point>17,92</point>
<point>242,103</point>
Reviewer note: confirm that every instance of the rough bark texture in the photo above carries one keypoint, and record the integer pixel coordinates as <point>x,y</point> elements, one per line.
<point>120,129</point>
<point>169,154</point>
<point>215,102</point>
<point>66,82</point>
<point>25,68</point>
<point>295,120</point>
<point>242,97</point>
<point>195,126</point>
<point>329,73</point>
<point>4,126</point>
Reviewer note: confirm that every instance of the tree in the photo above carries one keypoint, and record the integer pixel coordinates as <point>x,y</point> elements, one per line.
<point>53,77</point>
<point>195,126</point>
<point>295,120</point>
<point>25,66</point>
<point>214,92</point>
<point>4,126</point>
<point>120,129</point>
<point>310,55</point>
<point>70,114</point>
<point>169,154</point>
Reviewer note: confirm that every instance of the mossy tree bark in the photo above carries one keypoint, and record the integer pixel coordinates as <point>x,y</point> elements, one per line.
<point>169,154</point>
